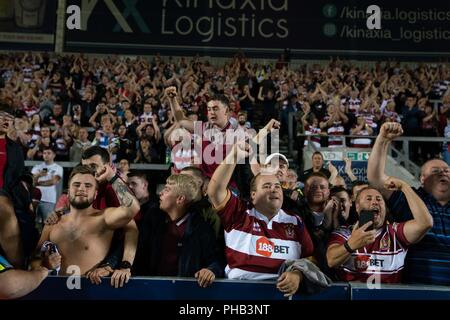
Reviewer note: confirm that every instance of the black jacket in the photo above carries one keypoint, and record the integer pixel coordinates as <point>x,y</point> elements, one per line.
<point>319,236</point>
<point>199,247</point>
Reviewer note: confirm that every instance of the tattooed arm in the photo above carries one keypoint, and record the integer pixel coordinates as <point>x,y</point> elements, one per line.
<point>129,206</point>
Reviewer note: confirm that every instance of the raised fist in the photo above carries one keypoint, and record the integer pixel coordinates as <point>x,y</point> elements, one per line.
<point>272,124</point>
<point>391,130</point>
<point>243,150</point>
<point>171,92</point>
<point>393,184</point>
<point>105,173</point>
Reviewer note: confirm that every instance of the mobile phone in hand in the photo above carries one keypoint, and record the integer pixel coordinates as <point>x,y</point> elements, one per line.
<point>364,217</point>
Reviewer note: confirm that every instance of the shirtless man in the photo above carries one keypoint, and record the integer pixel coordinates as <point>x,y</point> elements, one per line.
<point>83,237</point>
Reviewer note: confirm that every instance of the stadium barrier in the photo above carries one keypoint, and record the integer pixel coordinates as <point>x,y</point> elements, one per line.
<point>136,166</point>
<point>155,288</point>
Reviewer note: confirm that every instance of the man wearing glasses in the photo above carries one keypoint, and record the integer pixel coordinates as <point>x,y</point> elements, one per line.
<point>429,260</point>
<point>18,235</point>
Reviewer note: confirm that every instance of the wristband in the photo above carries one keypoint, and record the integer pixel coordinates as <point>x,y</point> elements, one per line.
<point>347,247</point>
<point>125,265</point>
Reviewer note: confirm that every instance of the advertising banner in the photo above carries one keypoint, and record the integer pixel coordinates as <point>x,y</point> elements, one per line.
<point>261,26</point>
<point>359,158</point>
<point>27,24</point>
<point>359,169</point>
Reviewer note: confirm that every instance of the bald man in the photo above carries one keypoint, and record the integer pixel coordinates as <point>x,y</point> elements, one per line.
<point>427,261</point>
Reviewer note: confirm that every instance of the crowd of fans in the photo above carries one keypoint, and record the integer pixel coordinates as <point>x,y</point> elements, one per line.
<point>122,103</point>
<point>230,218</point>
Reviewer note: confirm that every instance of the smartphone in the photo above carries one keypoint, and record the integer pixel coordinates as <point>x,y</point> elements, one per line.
<point>44,169</point>
<point>364,217</point>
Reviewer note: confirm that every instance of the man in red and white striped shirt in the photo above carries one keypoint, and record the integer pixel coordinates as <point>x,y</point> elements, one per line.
<point>258,238</point>
<point>214,143</point>
<point>359,254</point>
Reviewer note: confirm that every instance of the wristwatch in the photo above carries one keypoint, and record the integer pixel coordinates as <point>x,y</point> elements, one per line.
<point>125,265</point>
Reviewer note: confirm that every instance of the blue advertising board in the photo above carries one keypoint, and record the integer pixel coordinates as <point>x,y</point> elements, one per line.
<point>359,169</point>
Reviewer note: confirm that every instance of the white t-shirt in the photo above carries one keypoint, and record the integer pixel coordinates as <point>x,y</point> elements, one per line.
<point>49,194</point>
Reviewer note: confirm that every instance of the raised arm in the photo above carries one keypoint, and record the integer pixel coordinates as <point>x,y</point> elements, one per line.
<point>333,173</point>
<point>306,112</point>
<point>429,117</point>
<point>92,119</point>
<point>327,123</point>
<point>341,114</point>
<point>348,169</point>
<point>168,132</point>
<point>156,128</point>
<point>260,95</point>
<point>139,129</point>
<point>377,160</point>
<point>171,93</point>
<point>129,206</point>
<point>217,187</point>
<point>422,221</point>
<point>271,125</point>
<point>357,129</point>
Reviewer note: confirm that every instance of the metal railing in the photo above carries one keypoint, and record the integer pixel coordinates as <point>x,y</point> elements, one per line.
<point>136,166</point>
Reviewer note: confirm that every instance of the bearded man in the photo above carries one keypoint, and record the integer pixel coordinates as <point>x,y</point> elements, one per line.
<point>84,236</point>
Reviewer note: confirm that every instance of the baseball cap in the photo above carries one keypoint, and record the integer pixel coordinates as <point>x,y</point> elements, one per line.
<point>276,155</point>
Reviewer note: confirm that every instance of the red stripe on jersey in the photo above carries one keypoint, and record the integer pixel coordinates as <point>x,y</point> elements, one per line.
<point>236,259</point>
<point>360,145</point>
<point>335,131</point>
<point>256,244</point>
<point>309,130</point>
<point>384,258</point>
